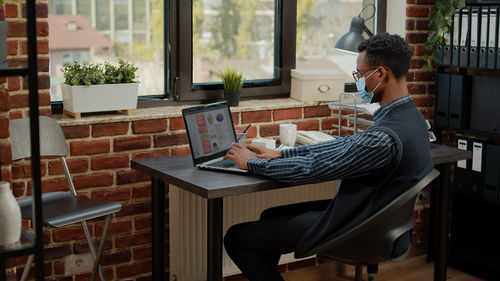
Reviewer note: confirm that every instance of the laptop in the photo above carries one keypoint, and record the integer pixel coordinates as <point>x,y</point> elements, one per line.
<point>211,134</point>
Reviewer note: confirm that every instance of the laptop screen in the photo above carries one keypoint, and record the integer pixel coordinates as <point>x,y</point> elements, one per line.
<point>210,130</point>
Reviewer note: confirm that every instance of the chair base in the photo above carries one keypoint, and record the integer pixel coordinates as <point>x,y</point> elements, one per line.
<point>371,269</point>
<point>96,255</point>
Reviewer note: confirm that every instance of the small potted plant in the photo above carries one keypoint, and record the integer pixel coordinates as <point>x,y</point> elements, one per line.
<point>233,82</point>
<point>99,87</point>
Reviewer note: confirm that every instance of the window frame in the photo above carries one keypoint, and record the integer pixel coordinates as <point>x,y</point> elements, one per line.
<point>182,57</point>
<point>178,86</point>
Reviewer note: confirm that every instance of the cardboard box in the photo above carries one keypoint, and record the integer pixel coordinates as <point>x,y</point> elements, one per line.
<point>317,84</point>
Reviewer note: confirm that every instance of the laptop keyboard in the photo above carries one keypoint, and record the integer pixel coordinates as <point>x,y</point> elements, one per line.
<point>224,164</point>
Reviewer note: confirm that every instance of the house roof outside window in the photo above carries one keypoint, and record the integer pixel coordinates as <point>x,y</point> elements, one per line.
<point>74,32</point>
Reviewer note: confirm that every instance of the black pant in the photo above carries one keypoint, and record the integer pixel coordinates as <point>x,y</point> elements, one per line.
<point>256,247</point>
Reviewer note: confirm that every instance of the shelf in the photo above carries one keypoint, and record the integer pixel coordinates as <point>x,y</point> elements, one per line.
<point>28,67</point>
<point>358,107</point>
<point>480,262</point>
<point>350,101</point>
<point>23,247</point>
<point>14,68</point>
<point>476,198</point>
<point>19,249</point>
<point>13,71</point>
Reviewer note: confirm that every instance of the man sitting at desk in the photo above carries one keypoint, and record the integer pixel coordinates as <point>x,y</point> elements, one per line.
<point>375,166</point>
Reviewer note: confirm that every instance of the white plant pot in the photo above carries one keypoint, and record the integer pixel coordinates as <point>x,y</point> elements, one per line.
<point>96,98</point>
<point>10,216</point>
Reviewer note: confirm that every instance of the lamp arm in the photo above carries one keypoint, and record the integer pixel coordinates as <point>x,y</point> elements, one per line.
<point>365,29</point>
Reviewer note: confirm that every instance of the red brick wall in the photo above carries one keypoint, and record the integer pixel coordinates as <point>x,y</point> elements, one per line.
<point>421,85</point>
<point>100,154</point>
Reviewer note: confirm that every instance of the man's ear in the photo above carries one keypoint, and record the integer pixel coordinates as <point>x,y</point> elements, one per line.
<point>384,74</point>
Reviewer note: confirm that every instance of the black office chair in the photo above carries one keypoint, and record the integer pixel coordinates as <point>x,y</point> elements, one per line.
<point>371,242</point>
<point>60,208</point>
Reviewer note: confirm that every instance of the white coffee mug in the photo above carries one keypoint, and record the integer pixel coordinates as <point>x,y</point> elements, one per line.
<point>288,133</point>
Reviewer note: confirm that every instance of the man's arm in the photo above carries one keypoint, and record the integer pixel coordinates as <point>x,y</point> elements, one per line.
<point>355,155</point>
<point>313,148</point>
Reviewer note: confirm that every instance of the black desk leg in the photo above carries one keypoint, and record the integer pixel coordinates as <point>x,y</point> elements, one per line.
<point>214,245</point>
<point>432,233</point>
<point>3,274</point>
<point>158,228</point>
<point>442,224</point>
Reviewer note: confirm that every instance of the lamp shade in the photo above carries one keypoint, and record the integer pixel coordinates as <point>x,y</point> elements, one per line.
<point>350,41</point>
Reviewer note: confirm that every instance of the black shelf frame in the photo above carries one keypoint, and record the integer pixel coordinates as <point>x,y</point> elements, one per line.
<point>35,247</point>
<point>439,129</point>
<point>14,72</point>
<point>21,248</point>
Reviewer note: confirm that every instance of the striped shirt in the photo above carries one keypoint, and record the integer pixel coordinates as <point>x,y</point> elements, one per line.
<point>347,157</point>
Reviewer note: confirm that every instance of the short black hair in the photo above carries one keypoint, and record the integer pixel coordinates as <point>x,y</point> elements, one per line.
<point>389,50</point>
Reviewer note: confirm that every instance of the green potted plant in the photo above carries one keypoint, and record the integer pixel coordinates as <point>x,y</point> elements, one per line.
<point>99,87</point>
<point>233,81</point>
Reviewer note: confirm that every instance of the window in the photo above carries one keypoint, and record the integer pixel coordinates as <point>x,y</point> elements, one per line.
<point>94,31</point>
<point>103,16</point>
<point>263,38</point>
<point>248,35</point>
<point>83,7</point>
<point>320,24</point>
<point>60,7</point>
<point>240,34</point>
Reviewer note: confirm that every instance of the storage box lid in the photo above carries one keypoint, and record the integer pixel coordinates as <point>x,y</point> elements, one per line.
<point>317,74</point>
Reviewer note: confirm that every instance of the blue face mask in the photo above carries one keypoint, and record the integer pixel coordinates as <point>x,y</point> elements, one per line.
<point>361,86</point>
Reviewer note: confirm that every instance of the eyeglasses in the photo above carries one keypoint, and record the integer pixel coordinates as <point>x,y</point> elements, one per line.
<point>358,74</point>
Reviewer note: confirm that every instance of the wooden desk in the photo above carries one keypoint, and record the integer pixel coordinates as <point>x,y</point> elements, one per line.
<point>179,171</point>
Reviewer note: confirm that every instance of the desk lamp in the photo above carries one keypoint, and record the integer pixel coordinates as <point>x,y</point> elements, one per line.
<point>350,41</point>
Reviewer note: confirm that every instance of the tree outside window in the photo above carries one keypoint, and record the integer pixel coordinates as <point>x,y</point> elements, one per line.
<point>236,33</point>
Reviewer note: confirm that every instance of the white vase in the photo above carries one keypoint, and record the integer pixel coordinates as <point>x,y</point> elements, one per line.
<point>10,216</point>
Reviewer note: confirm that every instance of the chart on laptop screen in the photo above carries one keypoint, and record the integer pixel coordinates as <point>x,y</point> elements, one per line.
<point>210,131</point>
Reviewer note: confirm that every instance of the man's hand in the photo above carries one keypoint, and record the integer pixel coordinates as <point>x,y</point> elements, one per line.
<point>240,155</point>
<point>264,153</point>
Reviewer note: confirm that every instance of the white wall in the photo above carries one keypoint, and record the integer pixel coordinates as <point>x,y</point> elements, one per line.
<point>396,17</point>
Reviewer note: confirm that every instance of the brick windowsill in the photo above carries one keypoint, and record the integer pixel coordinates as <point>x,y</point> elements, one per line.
<point>175,111</point>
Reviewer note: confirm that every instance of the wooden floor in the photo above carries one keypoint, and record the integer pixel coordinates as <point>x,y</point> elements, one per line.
<point>411,269</point>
